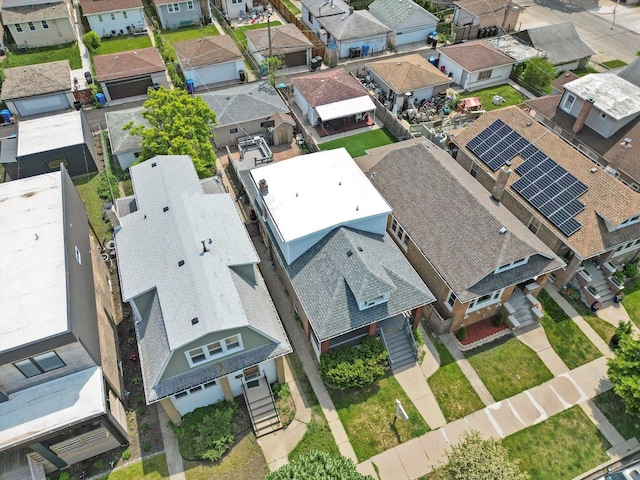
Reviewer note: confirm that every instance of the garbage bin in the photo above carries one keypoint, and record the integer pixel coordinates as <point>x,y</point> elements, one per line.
<point>101,99</point>
<point>243,76</point>
<point>6,116</point>
<point>313,64</point>
<point>191,86</point>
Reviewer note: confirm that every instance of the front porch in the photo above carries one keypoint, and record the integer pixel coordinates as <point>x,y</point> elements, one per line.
<point>326,128</point>
<point>261,405</point>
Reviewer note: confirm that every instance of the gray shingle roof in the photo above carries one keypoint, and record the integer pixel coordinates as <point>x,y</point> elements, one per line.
<point>335,7</point>
<point>359,24</point>
<point>454,222</point>
<point>121,140</point>
<point>251,101</point>
<point>631,73</point>
<point>561,42</point>
<point>393,12</point>
<point>33,13</point>
<point>40,79</point>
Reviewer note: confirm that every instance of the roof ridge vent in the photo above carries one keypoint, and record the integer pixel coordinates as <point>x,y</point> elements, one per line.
<point>194,320</point>
<point>502,231</point>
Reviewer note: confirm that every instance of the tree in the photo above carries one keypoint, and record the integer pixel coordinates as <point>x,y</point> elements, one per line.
<point>539,73</point>
<point>272,65</point>
<point>318,465</point>
<point>624,372</point>
<point>478,459</point>
<point>180,125</point>
<point>92,41</point>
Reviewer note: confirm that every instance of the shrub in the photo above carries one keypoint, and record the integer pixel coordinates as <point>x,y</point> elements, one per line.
<point>144,426</point>
<point>619,275</point>
<point>625,328</point>
<point>92,41</point>
<point>64,476</point>
<point>146,446</point>
<point>348,367</point>
<point>571,293</point>
<point>462,333</point>
<point>282,391</point>
<point>631,270</point>
<point>498,319</point>
<point>141,411</point>
<point>126,455</point>
<point>104,190</point>
<point>97,464</point>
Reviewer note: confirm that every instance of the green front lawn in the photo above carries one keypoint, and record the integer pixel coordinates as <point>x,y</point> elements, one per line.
<point>123,44</point>
<point>452,389</point>
<point>242,38</point>
<point>508,368</point>
<point>604,329</point>
<point>291,7</point>
<point>46,54</point>
<point>154,468</point>
<point>510,95</point>
<point>189,33</point>
<point>566,338</point>
<point>631,300</point>
<point>560,448</point>
<point>612,406</point>
<point>317,437</point>
<point>368,417</point>
<point>611,64</point>
<point>87,187</point>
<point>357,144</point>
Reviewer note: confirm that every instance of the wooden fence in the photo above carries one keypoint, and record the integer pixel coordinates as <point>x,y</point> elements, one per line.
<point>318,46</point>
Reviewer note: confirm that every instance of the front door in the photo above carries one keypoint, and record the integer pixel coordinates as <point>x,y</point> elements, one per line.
<point>282,136</point>
<point>251,373</point>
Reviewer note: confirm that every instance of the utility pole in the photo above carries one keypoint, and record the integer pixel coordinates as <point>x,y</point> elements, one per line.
<point>506,16</point>
<point>613,21</point>
<point>269,35</point>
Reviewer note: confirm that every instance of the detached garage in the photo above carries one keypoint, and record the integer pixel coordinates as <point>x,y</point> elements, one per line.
<point>127,76</point>
<point>35,89</point>
<point>210,60</point>
<point>287,42</point>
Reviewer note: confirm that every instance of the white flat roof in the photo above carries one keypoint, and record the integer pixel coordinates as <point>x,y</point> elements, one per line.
<point>345,108</point>
<point>33,297</point>
<point>613,95</point>
<point>49,133</point>
<point>51,406</point>
<point>313,192</point>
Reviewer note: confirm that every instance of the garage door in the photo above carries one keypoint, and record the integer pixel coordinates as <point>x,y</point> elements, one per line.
<point>129,88</point>
<point>295,59</point>
<point>49,103</point>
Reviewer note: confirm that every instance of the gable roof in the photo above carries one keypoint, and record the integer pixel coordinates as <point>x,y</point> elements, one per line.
<point>356,24</point>
<point>394,12</point>
<point>150,245</point>
<point>34,12</point>
<point>284,39</point>
<point>453,221</point>
<point>613,95</point>
<point>90,7</point>
<point>631,73</point>
<point>280,117</point>
<point>243,103</point>
<point>322,8</point>
<point>40,79</point>
<point>128,64</point>
<point>121,140</point>
<point>606,197</point>
<point>329,86</point>
<point>515,48</point>
<point>485,7</point>
<point>566,77</point>
<point>207,51</point>
<point>408,73</point>
<point>474,56</point>
<point>561,42</point>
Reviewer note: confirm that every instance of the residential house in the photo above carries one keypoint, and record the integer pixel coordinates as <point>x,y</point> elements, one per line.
<point>41,88</point>
<point>583,214</point>
<point>206,326</point>
<point>38,23</point>
<point>287,42</point>
<point>119,17</point>
<point>408,21</point>
<point>125,147</point>
<point>475,65</point>
<point>43,144</point>
<point>473,19</point>
<point>631,72</point>
<point>564,47</point>
<point>313,11</point>
<point>411,77</point>
<point>515,48</point>
<point>174,15</point>
<point>61,395</point>
<point>324,225</point>
<point>129,75</point>
<point>600,115</point>
<point>234,9</point>
<point>332,100</point>
<point>476,259</point>
<point>210,60</point>
<point>244,111</point>
<point>557,86</point>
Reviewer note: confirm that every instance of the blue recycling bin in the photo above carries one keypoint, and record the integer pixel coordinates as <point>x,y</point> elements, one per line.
<point>6,116</point>
<point>365,50</point>
<point>263,70</point>
<point>101,99</point>
<point>191,86</point>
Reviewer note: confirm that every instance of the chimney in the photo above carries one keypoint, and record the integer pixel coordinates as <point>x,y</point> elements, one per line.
<point>582,116</point>
<point>264,188</point>
<point>501,183</point>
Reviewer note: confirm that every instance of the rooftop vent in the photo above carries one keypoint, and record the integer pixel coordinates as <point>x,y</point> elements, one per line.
<point>154,164</point>
<point>181,263</point>
<point>264,188</point>
<point>373,174</point>
<point>349,253</point>
<point>502,231</point>
<point>165,209</point>
<point>194,320</point>
<point>594,170</point>
<point>359,249</point>
<point>204,245</point>
<point>626,143</point>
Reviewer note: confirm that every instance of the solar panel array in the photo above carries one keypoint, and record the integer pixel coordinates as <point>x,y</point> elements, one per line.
<point>547,186</point>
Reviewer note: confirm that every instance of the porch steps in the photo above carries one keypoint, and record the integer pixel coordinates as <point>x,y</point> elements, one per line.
<point>399,347</point>
<point>262,407</point>
<point>523,313</point>
<point>599,281</point>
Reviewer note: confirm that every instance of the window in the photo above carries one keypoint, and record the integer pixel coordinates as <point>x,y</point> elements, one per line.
<point>55,164</point>
<point>569,100</point>
<point>195,389</point>
<point>78,255</point>
<point>124,14</point>
<point>485,300</point>
<point>626,247</point>
<point>511,265</point>
<point>45,25</point>
<point>234,2</point>
<point>374,301</point>
<point>100,18</point>
<point>233,343</point>
<point>233,130</point>
<point>406,239</point>
<point>603,115</point>
<point>267,124</point>
<point>631,220</point>
<point>310,17</point>
<point>180,395</point>
<point>474,170</point>
<point>173,8</point>
<point>534,224</point>
<point>197,355</point>
<point>210,384</point>
<point>394,225</point>
<point>190,5</point>
<point>451,299</point>
<point>214,350</point>
<point>484,75</point>
<point>18,28</point>
<point>113,16</point>
<point>45,362</point>
<point>31,26</point>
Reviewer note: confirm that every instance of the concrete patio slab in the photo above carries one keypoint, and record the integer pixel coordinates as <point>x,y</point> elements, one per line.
<point>389,465</point>
<point>436,446</point>
<point>547,399</point>
<point>505,420</point>
<point>480,421</point>
<point>413,457</point>
<point>568,392</point>
<point>526,410</point>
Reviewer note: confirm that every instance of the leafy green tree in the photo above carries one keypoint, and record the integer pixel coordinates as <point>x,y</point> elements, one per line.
<point>180,125</point>
<point>272,65</point>
<point>624,372</point>
<point>318,465</point>
<point>478,459</point>
<point>539,73</point>
<point>92,41</point>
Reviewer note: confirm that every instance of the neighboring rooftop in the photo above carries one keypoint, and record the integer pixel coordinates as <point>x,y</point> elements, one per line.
<point>464,245</point>
<point>321,8</point>
<point>207,51</point>
<point>486,7</point>
<point>121,140</point>
<point>566,77</point>
<point>284,39</point>
<point>90,7</point>
<point>561,42</point>
<point>631,73</point>
<point>394,12</point>
<point>408,73</point>
<point>128,64</point>
<point>477,55</point>
<point>329,86</point>
<point>32,239</point>
<point>356,24</point>
<point>613,95</point>
<point>50,133</point>
<point>515,48</point>
<point>243,103</point>
<point>12,14</point>
<point>37,79</point>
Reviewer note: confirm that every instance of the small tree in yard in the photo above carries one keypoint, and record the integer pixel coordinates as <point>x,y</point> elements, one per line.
<point>272,65</point>
<point>318,465</point>
<point>478,459</point>
<point>92,41</point>
<point>180,125</point>
<point>539,73</point>
<point>624,373</point>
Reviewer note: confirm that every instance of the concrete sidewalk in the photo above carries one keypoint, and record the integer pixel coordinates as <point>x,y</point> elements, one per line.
<point>536,339</point>
<point>174,459</point>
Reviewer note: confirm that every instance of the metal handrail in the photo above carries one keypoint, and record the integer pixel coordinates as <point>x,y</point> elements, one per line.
<point>384,341</point>
<point>414,345</point>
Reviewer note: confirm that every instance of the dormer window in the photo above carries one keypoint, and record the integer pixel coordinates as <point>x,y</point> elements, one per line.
<point>374,301</point>
<point>511,265</point>
<point>217,349</point>
<point>631,221</point>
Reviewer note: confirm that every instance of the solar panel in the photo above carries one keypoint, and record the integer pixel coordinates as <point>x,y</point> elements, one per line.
<point>570,227</point>
<point>574,207</point>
